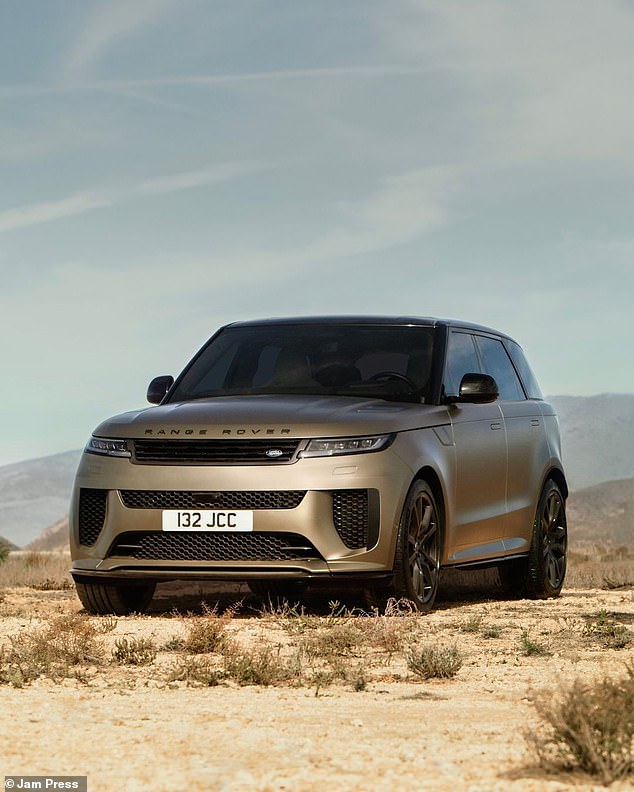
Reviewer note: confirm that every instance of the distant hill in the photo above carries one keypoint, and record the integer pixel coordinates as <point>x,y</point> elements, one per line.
<point>35,493</point>
<point>53,538</point>
<point>597,436</point>
<point>6,543</point>
<point>603,514</point>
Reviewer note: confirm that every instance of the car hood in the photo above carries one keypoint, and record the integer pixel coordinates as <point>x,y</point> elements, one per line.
<point>272,416</point>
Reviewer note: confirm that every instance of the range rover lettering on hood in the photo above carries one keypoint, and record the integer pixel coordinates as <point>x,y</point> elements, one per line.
<point>199,432</point>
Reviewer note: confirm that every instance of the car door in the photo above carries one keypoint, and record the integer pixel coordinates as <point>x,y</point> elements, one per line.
<point>527,447</point>
<point>475,524</point>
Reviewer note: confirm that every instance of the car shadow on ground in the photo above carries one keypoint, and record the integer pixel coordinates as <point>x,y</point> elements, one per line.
<point>457,587</point>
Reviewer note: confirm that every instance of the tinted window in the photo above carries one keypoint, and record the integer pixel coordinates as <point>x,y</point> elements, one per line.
<point>498,364</point>
<point>462,359</point>
<point>521,364</point>
<point>352,360</point>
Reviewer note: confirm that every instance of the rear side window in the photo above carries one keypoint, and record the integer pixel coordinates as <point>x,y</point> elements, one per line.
<point>526,373</point>
<point>497,364</point>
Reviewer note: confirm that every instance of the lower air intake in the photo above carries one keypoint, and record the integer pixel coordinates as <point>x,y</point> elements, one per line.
<point>217,546</point>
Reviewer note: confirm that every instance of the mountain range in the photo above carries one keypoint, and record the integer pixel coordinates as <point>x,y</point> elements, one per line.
<point>598,447</point>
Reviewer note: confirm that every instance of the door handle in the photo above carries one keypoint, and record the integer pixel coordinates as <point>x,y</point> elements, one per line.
<point>496,425</point>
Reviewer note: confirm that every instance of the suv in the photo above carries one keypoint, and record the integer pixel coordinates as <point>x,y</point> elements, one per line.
<point>365,450</point>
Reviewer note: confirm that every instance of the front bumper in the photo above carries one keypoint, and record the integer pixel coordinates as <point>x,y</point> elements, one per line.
<point>383,476</point>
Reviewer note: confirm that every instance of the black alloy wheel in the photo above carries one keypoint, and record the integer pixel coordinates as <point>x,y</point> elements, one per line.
<point>549,546</point>
<point>418,548</point>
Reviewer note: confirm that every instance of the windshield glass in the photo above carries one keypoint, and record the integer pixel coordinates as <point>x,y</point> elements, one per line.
<point>373,361</point>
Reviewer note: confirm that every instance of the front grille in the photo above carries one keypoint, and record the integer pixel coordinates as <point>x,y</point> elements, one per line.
<point>214,452</point>
<point>148,499</point>
<point>92,514</point>
<point>198,546</point>
<point>350,514</point>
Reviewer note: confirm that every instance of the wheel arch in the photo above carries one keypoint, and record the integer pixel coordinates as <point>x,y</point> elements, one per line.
<point>432,478</point>
<point>556,475</point>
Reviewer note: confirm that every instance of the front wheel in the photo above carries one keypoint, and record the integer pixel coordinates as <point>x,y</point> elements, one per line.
<point>102,599</point>
<point>418,548</point>
<point>549,546</point>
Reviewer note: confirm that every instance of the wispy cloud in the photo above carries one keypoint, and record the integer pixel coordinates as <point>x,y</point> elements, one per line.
<point>48,211</point>
<point>112,22</point>
<point>81,83</point>
<point>84,201</point>
<point>198,178</point>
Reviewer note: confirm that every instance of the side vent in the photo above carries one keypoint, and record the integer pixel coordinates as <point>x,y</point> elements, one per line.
<point>92,515</point>
<point>355,514</point>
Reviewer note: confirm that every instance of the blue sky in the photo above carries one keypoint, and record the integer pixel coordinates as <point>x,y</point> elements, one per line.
<point>167,166</point>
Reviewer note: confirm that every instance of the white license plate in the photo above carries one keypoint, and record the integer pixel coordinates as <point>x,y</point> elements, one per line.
<point>207,520</point>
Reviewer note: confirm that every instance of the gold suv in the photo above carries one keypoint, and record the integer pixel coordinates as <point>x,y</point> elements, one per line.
<point>365,451</point>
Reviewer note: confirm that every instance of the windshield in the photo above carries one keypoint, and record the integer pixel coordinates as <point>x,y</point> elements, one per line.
<point>373,361</point>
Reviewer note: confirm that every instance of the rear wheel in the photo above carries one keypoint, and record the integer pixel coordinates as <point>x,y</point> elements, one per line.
<point>549,546</point>
<point>111,598</point>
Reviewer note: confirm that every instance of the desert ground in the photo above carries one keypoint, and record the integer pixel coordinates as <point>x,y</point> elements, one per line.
<point>227,692</point>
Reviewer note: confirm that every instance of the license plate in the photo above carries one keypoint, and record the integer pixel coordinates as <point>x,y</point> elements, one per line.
<point>207,520</point>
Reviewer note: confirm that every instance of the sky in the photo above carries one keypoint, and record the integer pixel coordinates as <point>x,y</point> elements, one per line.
<point>167,166</point>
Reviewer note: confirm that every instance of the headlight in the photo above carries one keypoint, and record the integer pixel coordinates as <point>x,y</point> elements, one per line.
<point>346,445</point>
<point>114,448</point>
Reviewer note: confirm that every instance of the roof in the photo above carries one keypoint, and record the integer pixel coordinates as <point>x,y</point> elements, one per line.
<point>352,319</point>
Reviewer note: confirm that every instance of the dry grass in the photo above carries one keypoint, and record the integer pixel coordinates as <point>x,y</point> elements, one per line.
<point>39,570</point>
<point>55,650</point>
<point>600,567</point>
<point>588,726</point>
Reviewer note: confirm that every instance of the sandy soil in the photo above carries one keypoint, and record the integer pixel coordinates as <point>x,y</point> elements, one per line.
<point>127,728</point>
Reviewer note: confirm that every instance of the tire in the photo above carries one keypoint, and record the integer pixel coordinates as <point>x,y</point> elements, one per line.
<point>546,567</point>
<point>418,548</point>
<point>513,576</point>
<point>102,599</point>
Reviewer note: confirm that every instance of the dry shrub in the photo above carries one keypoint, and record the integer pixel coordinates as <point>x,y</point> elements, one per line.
<point>206,633</point>
<point>54,650</point>
<point>335,640</point>
<point>608,632</point>
<point>431,662</point>
<point>195,672</point>
<point>260,666</point>
<point>389,630</point>
<point>588,726</point>
<point>134,651</point>
<point>532,648</point>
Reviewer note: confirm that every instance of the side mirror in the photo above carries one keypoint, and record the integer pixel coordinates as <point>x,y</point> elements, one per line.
<point>158,388</point>
<point>476,389</point>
